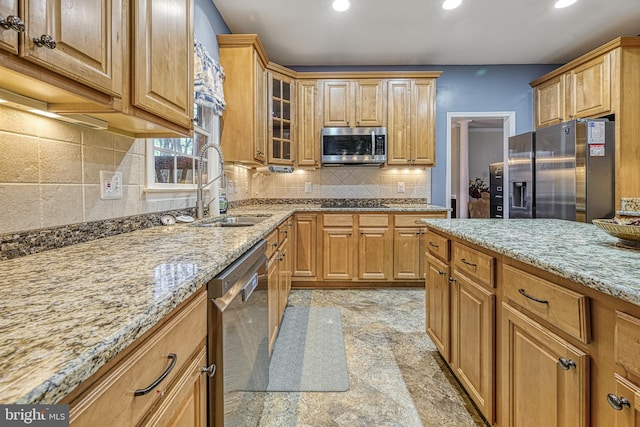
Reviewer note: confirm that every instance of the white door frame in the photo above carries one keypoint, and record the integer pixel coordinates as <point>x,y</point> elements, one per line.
<point>508,129</point>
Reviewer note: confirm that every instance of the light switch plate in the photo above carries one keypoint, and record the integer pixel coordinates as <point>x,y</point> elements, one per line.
<point>110,185</point>
<point>308,187</point>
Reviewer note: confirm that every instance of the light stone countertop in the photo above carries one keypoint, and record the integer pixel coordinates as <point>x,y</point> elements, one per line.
<point>67,312</point>
<point>576,251</point>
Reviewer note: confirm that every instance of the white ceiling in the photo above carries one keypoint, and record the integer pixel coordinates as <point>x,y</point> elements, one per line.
<point>420,32</point>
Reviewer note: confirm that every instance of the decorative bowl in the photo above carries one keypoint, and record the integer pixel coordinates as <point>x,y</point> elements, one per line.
<point>629,234</point>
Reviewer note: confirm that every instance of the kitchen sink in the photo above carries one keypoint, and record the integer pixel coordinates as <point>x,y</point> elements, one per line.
<point>234,221</point>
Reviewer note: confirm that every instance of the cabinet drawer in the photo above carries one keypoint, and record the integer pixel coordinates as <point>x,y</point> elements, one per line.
<point>564,308</point>
<point>374,220</point>
<point>438,246</point>
<point>112,397</point>
<point>414,220</point>
<point>627,342</point>
<point>338,220</point>
<point>272,243</point>
<point>474,264</point>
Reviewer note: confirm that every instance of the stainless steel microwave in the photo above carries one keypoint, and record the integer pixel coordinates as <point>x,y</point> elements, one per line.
<point>354,146</point>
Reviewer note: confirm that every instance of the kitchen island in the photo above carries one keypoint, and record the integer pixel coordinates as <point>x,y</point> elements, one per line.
<point>67,312</point>
<point>538,319</point>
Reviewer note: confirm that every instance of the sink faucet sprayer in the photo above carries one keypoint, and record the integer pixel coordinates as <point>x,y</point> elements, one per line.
<point>201,186</point>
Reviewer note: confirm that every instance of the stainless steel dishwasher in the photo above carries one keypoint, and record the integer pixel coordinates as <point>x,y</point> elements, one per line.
<point>239,340</point>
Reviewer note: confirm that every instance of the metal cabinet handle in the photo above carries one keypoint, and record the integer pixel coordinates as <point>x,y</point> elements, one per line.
<point>451,280</point>
<point>567,364</point>
<point>618,403</point>
<point>259,153</point>
<point>209,370</point>
<point>433,245</point>
<point>442,273</point>
<point>45,40</point>
<point>531,297</point>
<point>469,263</point>
<point>274,244</point>
<point>12,22</point>
<point>350,234</point>
<point>417,233</point>
<point>146,390</point>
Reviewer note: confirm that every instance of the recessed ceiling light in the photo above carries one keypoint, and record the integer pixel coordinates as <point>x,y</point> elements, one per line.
<point>341,5</point>
<point>564,3</point>
<point>451,4</point>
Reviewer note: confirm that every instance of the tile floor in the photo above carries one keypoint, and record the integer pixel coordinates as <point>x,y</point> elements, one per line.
<point>396,376</point>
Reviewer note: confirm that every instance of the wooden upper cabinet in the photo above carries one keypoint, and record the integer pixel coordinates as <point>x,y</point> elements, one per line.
<point>9,38</point>
<point>589,88</point>
<point>308,128</point>
<point>549,102</point>
<point>353,103</point>
<point>337,103</point>
<point>162,55</point>
<point>281,129</point>
<point>244,133</point>
<point>411,122</point>
<point>85,42</point>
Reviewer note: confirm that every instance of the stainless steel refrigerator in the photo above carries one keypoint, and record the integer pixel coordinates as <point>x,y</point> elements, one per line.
<point>572,172</point>
<point>521,176</point>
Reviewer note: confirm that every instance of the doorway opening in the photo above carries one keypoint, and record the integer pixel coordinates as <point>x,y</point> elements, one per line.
<point>476,140</point>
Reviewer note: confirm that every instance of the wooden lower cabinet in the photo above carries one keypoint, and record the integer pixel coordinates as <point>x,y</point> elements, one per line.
<point>337,253</point>
<point>473,341</point>
<point>438,304</point>
<point>273,286</point>
<point>374,250</point>
<point>625,403</point>
<point>305,247</point>
<point>546,379</point>
<point>177,347</point>
<point>408,253</point>
<point>186,404</point>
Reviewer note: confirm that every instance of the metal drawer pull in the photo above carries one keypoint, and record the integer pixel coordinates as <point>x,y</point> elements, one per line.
<point>146,390</point>
<point>524,293</point>
<point>451,280</point>
<point>442,273</point>
<point>567,364</point>
<point>210,370</point>
<point>618,403</point>
<point>12,22</point>
<point>469,263</point>
<point>433,245</point>
<point>45,40</point>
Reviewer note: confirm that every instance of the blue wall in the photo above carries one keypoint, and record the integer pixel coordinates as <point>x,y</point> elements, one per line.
<point>208,22</point>
<point>460,88</point>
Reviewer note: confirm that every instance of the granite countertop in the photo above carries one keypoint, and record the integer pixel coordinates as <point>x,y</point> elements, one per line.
<point>577,251</point>
<point>66,312</point>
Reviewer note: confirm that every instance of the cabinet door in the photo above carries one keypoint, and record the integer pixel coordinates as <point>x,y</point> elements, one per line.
<point>423,125</point>
<point>273,277</point>
<point>549,102</point>
<point>374,248</point>
<point>473,342</point>
<point>281,118</point>
<point>407,256</point>
<point>186,403</point>
<point>625,403</point>
<point>261,110</point>
<point>163,58</point>
<point>284,280</point>
<point>369,103</point>
<point>337,253</point>
<point>89,40</point>
<point>305,244</point>
<point>538,390</point>
<point>9,38</point>
<point>337,103</point>
<point>590,88</point>
<point>308,124</point>
<point>398,122</point>
<point>438,304</point>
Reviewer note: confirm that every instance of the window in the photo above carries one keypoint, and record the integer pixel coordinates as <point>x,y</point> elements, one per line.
<point>172,163</point>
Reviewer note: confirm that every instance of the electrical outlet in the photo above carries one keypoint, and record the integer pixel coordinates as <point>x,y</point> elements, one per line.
<point>400,186</point>
<point>308,187</point>
<point>110,185</point>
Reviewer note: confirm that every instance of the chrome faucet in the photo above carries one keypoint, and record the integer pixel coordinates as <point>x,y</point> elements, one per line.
<point>201,186</point>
